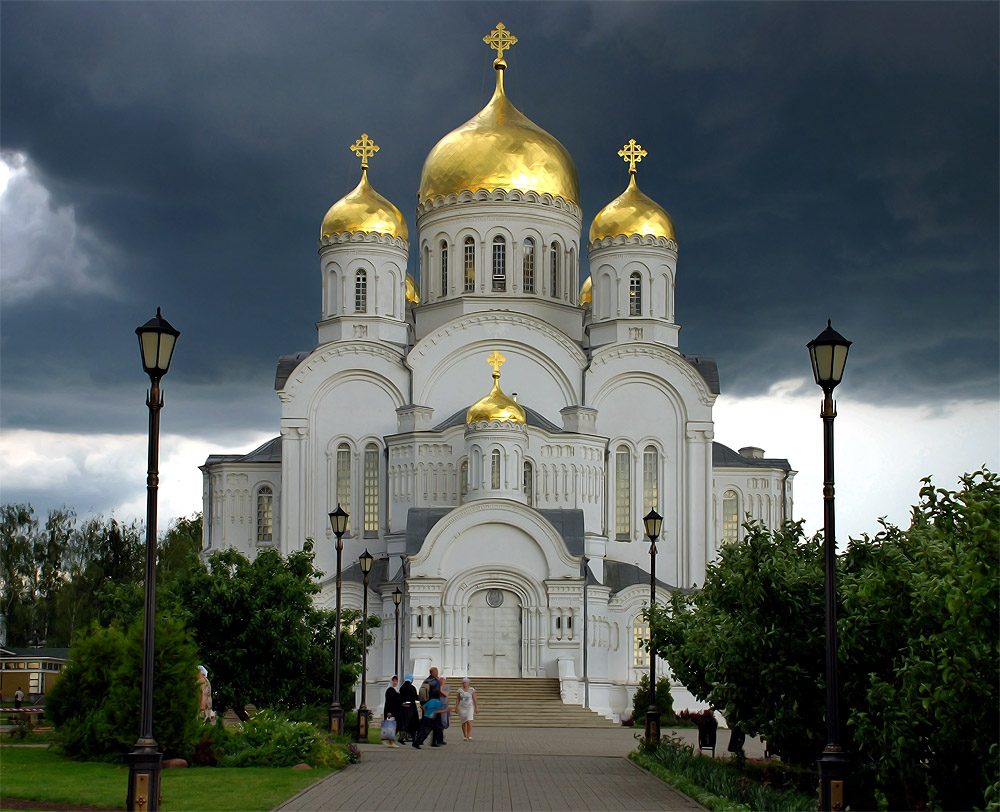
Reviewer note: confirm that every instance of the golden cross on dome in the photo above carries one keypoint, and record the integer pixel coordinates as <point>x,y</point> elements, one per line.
<point>500,40</point>
<point>632,153</point>
<point>496,361</point>
<point>364,148</point>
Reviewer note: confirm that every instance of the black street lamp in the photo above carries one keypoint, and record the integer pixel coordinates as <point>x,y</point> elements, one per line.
<point>397,598</point>
<point>365,560</point>
<point>652,522</point>
<point>156,343</point>
<point>338,523</point>
<point>828,353</point>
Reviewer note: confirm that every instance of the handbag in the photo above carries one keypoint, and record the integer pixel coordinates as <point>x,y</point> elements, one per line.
<point>445,721</point>
<point>388,729</point>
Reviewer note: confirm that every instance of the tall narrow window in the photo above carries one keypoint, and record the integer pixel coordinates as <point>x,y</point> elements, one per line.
<point>640,634</point>
<point>730,516</point>
<point>635,295</point>
<point>528,266</point>
<point>463,481</point>
<point>528,483</point>
<point>265,515</point>
<point>444,269</point>
<point>470,264</point>
<point>499,263</point>
<point>371,489</point>
<point>650,479</point>
<point>495,470</point>
<point>361,292</point>
<point>623,493</point>
<point>344,476</point>
<point>554,269</point>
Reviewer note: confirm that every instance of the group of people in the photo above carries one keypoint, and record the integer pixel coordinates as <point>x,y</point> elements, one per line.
<point>424,712</point>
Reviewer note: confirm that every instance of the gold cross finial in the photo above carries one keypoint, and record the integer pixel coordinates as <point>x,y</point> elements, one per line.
<point>364,148</point>
<point>496,361</point>
<point>500,40</point>
<point>632,153</point>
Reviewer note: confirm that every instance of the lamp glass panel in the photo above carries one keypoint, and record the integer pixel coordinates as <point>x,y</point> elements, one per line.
<point>366,562</point>
<point>148,343</point>
<point>167,343</point>
<point>823,363</point>
<point>839,361</point>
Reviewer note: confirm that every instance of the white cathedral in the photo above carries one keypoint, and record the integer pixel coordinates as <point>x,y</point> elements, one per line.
<point>483,507</point>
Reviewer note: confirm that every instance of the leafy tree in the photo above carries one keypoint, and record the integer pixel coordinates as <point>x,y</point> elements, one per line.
<point>921,636</point>
<point>260,636</point>
<point>96,705</point>
<point>919,647</point>
<point>750,642</point>
<point>664,701</point>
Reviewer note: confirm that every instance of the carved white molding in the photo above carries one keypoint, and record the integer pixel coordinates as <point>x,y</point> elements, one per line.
<point>633,239</point>
<point>500,196</point>
<point>654,351</point>
<point>328,352</point>
<point>364,237</point>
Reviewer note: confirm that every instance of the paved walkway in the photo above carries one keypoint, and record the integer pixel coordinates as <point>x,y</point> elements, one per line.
<point>503,768</point>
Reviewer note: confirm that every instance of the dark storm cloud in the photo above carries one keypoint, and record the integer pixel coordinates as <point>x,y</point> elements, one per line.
<point>819,160</point>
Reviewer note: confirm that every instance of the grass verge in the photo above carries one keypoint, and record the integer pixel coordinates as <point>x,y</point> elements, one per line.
<point>41,774</point>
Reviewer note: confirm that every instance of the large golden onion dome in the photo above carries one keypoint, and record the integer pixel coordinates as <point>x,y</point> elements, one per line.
<point>412,291</point>
<point>632,212</point>
<point>364,210</point>
<point>500,148</point>
<point>496,405</point>
<point>587,292</point>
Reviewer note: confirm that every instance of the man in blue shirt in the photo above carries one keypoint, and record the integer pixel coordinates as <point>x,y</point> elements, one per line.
<point>431,722</point>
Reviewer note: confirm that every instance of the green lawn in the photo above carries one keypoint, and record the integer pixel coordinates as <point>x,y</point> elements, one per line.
<point>43,775</point>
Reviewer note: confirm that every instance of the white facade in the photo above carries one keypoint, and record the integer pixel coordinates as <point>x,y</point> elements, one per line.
<point>484,525</point>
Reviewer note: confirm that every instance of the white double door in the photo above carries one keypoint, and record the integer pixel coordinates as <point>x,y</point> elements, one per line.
<point>494,634</point>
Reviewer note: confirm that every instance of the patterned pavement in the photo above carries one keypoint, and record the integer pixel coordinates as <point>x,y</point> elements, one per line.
<point>500,769</point>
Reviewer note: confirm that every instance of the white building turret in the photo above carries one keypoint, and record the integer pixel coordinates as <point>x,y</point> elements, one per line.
<point>496,442</point>
<point>363,249</point>
<point>633,263</point>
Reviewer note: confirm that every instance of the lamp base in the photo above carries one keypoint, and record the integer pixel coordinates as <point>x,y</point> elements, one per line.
<point>336,720</point>
<point>832,774</point>
<point>143,780</point>
<point>364,721</point>
<point>653,725</point>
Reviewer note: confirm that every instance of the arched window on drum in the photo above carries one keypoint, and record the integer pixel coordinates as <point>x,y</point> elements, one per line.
<point>730,516</point>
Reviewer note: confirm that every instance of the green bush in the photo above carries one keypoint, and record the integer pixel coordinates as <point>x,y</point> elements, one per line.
<point>96,705</point>
<point>758,786</point>
<point>664,700</point>
<point>271,740</point>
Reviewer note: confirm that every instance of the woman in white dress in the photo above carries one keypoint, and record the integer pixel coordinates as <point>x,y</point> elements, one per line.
<point>466,706</point>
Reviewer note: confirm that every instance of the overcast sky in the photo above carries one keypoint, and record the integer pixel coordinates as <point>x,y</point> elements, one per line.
<point>820,160</point>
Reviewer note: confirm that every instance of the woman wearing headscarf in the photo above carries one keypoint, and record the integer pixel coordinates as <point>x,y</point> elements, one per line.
<point>406,727</point>
<point>393,704</point>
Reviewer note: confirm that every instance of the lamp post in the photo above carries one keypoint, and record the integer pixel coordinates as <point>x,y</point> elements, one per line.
<point>652,522</point>
<point>338,523</point>
<point>397,598</point>
<point>828,353</point>
<point>156,343</point>
<point>366,567</point>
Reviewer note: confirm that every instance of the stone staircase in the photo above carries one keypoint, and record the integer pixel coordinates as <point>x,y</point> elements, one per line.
<point>526,702</point>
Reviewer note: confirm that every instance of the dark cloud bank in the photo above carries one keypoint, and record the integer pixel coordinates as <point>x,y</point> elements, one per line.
<point>819,160</point>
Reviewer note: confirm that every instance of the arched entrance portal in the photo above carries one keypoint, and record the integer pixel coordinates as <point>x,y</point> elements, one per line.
<point>494,633</point>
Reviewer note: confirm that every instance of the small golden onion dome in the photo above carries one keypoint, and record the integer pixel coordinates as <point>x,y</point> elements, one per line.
<point>500,148</point>
<point>412,291</point>
<point>587,292</point>
<point>496,406</point>
<point>364,211</point>
<point>632,212</point>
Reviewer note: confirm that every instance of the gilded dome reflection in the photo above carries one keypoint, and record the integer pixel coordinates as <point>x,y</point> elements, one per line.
<point>363,210</point>
<point>632,212</point>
